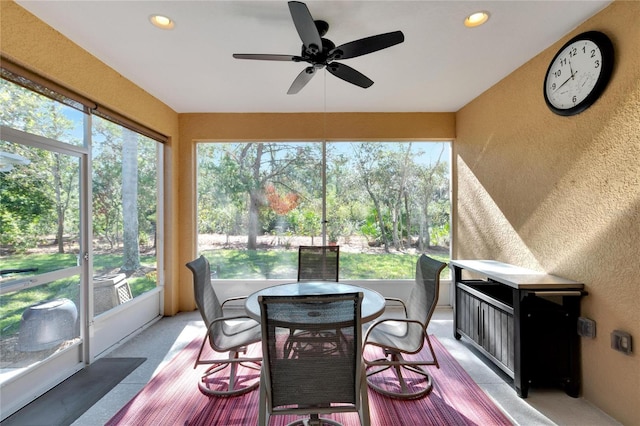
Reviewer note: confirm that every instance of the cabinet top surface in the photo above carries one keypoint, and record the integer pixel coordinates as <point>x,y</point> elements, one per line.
<point>516,276</point>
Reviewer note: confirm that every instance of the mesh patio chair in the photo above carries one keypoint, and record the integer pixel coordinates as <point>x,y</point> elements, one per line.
<point>231,334</point>
<point>398,336</point>
<point>311,381</point>
<point>318,263</point>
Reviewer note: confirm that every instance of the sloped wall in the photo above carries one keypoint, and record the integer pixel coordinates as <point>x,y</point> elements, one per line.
<point>562,195</point>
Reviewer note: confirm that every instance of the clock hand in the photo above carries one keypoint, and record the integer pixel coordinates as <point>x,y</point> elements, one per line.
<point>571,69</point>
<point>566,81</point>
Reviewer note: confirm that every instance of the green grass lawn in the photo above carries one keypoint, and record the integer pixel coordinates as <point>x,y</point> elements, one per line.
<point>283,264</point>
<point>12,305</point>
<point>227,263</point>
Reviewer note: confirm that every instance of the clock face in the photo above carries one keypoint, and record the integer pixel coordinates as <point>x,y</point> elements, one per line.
<point>578,73</point>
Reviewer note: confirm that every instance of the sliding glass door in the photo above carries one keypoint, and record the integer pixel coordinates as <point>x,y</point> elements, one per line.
<point>80,247</point>
<point>40,305</point>
<point>43,235</point>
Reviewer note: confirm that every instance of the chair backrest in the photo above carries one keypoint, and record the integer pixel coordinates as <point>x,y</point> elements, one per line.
<point>206,299</point>
<point>318,263</point>
<point>309,374</point>
<point>424,294</point>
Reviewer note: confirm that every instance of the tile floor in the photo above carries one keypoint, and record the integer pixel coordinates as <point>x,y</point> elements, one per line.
<point>162,340</point>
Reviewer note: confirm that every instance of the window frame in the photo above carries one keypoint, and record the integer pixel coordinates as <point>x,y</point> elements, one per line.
<point>261,282</point>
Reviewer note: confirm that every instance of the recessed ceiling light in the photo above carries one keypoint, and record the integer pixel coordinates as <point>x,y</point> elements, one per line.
<point>476,19</point>
<point>162,21</point>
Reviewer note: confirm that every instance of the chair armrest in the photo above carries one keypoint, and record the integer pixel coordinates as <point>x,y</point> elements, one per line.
<point>233,299</point>
<point>392,300</point>
<point>234,317</point>
<point>382,321</point>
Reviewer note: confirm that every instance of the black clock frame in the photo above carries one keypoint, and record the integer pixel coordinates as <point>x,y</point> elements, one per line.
<point>606,48</point>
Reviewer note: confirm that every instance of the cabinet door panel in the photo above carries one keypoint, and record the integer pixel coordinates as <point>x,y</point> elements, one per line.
<point>497,336</point>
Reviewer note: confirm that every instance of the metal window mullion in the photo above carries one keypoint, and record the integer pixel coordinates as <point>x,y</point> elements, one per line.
<point>37,280</point>
<point>86,237</point>
<point>42,142</point>
<point>324,192</point>
<point>160,190</point>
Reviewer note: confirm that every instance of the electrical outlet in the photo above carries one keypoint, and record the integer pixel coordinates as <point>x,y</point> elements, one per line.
<point>621,341</point>
<point>586,327</point>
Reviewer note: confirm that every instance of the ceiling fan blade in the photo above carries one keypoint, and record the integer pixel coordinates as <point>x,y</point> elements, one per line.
<point>301,80</point>
<point>306,27</point>
<point>263,57</point>
<point>350,75</point>
<point>367,45</point>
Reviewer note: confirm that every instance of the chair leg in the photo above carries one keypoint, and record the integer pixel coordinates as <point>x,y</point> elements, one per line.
<point>314,420</point>
<point>263,414</point>
<point>401,381</point>
<point>365,416</point>
<point>398,363</point>
<point>433,353</point>
<point>233,372</point>
<point>233,387</point>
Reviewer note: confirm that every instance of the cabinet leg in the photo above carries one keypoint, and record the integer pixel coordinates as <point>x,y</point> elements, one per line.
<point>523,391</point>
<point>457,335</point>
<point>572,389</point>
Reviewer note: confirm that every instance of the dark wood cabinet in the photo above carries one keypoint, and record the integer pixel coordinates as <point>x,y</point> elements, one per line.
<point>523,321</point>
<point>488,322</point>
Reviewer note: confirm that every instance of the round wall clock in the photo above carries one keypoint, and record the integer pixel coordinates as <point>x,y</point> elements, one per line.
<point>578,73</point>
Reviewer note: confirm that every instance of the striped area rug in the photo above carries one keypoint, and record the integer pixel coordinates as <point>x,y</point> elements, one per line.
<point>172,397</point>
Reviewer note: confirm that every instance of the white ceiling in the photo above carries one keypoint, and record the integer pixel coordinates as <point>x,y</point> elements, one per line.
<point>440,67</point>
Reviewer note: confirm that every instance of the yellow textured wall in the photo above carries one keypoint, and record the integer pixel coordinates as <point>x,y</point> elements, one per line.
<point>28,41</point>
<point>562,195</point>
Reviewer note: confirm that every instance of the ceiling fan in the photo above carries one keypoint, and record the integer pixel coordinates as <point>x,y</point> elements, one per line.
<point>321,53</point>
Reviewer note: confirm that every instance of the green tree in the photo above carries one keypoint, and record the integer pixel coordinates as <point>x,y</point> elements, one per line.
<point>106,181</point>
<point>374,179</point>
<point>24,203</point>
<point>243,172</point>
<point>431,187</point>
<point>56,174</point>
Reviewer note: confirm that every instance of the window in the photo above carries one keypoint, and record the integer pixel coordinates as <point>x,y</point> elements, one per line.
<point>124,173</point>
<point>382,202</point>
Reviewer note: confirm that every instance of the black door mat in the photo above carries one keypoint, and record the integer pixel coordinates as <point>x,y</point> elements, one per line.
<point>63,404</point>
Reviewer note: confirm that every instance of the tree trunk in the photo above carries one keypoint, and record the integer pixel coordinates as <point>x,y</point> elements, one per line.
<point>383,233</point>
<point>397,204</point>
<point>131,247</point>
<point>254,208</point>
<point>255,201</point>
<point>394,231</point>
<point>407,209</point>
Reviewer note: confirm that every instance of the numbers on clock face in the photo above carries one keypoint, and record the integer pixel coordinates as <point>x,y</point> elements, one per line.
<point>573,74</point>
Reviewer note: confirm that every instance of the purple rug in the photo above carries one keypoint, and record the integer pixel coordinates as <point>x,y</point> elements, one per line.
<point>172,397</point>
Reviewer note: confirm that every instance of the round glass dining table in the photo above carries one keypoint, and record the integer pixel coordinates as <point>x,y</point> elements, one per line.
<point>372,303</point>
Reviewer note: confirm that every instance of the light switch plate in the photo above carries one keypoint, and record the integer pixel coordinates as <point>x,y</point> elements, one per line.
<point>621,341</point>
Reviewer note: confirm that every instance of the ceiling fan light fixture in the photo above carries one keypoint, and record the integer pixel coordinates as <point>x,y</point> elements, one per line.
<point>320,52</point>
<point>162,22</point>
<point>476,19</point>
